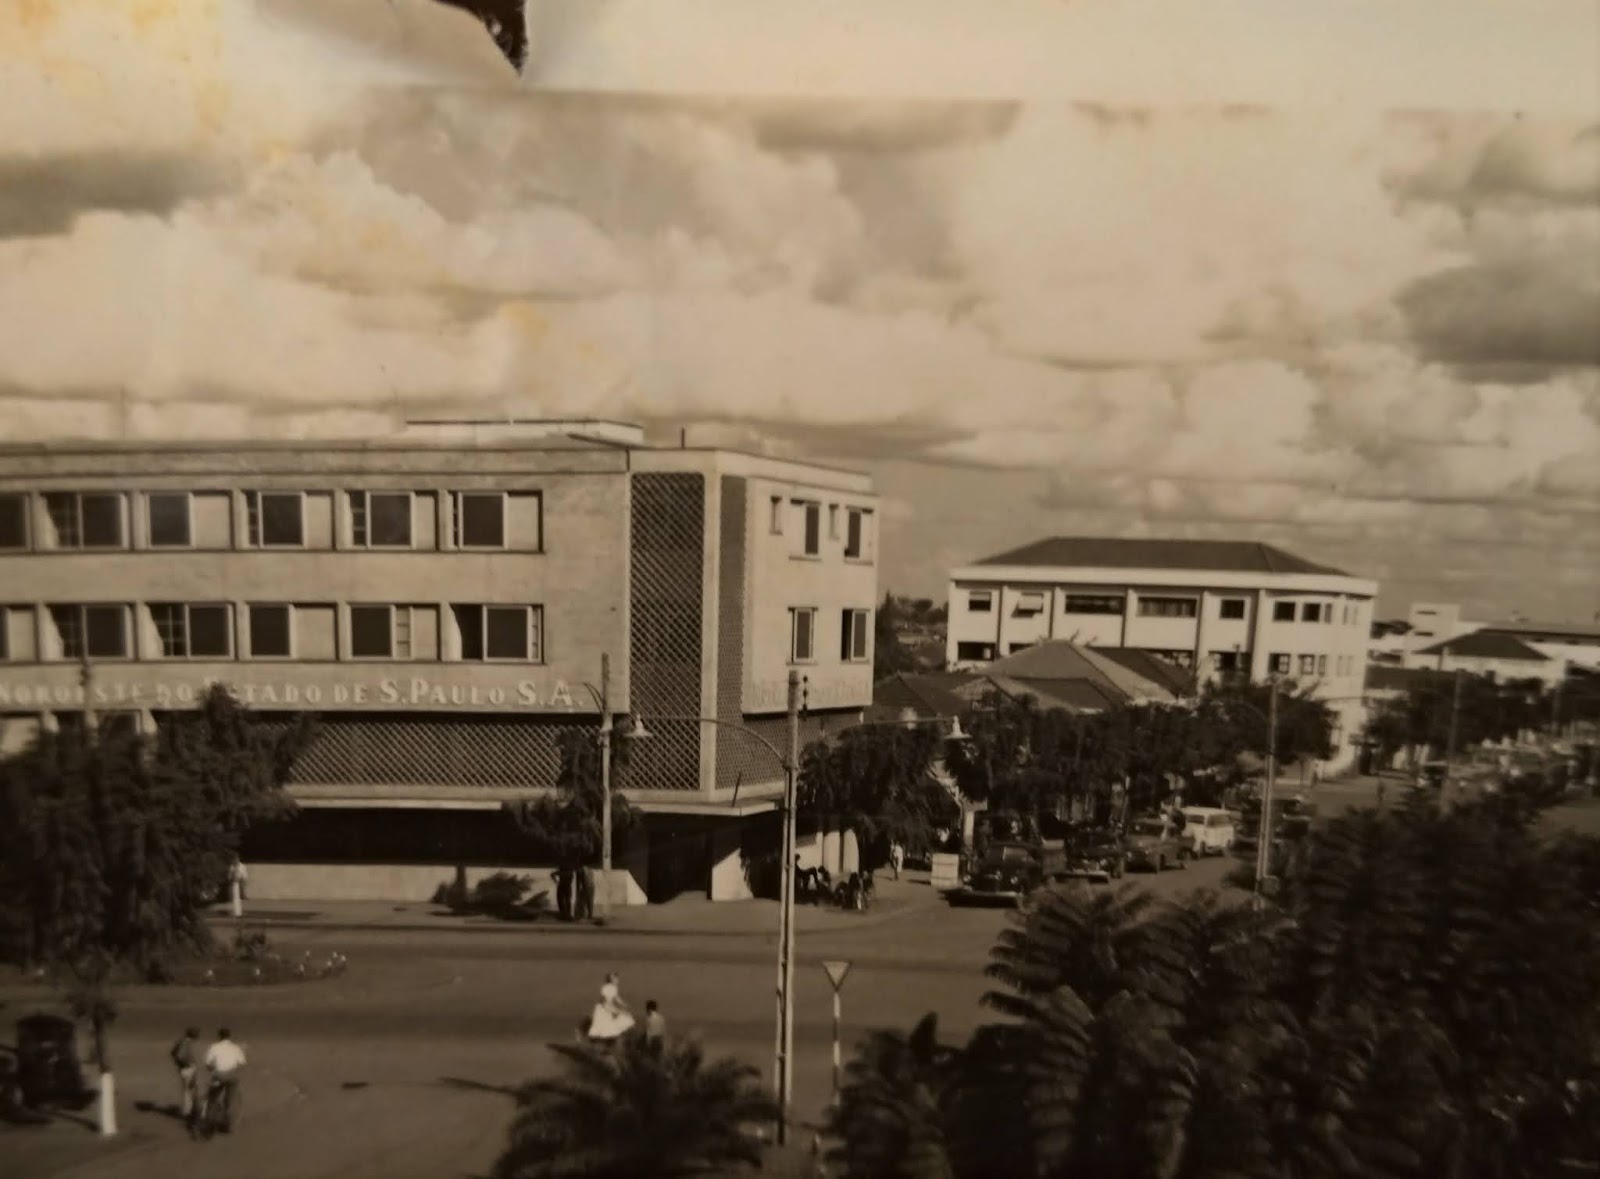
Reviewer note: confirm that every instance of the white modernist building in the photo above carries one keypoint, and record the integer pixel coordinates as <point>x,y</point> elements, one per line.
<point>1215,607</point>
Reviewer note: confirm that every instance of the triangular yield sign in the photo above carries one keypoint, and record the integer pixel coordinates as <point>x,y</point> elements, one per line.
<point>837,969</point>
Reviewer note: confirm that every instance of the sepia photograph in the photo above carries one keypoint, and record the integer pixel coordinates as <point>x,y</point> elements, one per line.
<point>864,589</point>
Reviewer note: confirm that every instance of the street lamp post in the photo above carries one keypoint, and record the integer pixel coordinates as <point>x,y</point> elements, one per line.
<point>605,788</point>
<point>1264,837</point>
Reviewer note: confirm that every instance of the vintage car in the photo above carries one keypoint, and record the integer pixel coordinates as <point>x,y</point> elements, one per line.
<point>1154,844</point>
<point>1208,831</point>
<point>1094,853</point>
<point>1005,874</point>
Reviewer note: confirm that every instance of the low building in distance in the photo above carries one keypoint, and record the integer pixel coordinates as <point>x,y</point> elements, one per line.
<point>1212,608</point>
<point>441,599</point>
<point>1487,652</point>
<point>1568,644</point>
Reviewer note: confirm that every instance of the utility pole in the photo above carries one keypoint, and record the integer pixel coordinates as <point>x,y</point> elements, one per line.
<point>1264,845</point>
<point>605,788</point>
<point>91,721</point>
<point>1450,745</point>
<point>785,1055</point>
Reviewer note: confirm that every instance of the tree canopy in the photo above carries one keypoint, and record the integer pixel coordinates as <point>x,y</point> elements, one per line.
<point>570,819</point>
<point>1425,1002</point>
<point>879,781</point>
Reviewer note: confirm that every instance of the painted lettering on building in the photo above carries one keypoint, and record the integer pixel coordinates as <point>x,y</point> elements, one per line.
<point>822,692</point>
<point>388,692</point>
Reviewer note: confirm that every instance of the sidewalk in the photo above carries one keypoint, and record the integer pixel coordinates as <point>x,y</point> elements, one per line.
<point>685,916</point>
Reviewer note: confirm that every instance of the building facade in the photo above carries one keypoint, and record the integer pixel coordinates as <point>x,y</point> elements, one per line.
<point>441,600</point>
<point>1214,607</point>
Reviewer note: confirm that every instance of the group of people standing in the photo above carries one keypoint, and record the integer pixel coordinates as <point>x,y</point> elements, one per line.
<point>574,892</point>
<point>223,1061</point>
<point>611,1018</point>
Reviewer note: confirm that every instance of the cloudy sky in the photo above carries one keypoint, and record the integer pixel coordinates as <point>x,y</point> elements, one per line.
<point>1331,282</point>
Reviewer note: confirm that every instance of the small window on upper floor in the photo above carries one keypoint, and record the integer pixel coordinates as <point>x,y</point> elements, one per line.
<point>1029,602</point>
<point>1231,608</point>
<point>86,519</point>
<point>193,630</point>
<point>380,519</point>
<point>275,519</point>
<point>1308,665</point>
<point>170,517</point>
<point>854,628</point>
<point>1168,607</point>
<point>13,520</point>
<point>980,601</point>
<point>1283,611</point>
<point>1311,612</point>
<point>480,519</point>
<point>810,537</point>
<point>857,539</point>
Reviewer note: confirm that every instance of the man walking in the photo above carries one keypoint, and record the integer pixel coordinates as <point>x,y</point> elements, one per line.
<point>897,857</point>
<point>655,1026</point>
<point>585,890</point>
<point>185,1055</point>
<point>225,1061</point>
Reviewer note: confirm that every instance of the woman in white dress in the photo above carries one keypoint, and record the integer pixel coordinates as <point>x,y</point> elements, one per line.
<point>611,1019</point>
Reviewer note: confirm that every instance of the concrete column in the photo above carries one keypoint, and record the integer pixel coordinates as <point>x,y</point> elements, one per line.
<point>831,852</point>
<point>849,853</point>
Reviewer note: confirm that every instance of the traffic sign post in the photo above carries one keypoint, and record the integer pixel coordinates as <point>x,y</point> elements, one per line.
<point>837,970</point>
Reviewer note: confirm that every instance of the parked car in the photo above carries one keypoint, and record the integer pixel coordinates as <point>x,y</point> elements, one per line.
<point>1094,853</point>
<point>1007,872</point>
<point>1153,844</point>
<point>1208,831</point>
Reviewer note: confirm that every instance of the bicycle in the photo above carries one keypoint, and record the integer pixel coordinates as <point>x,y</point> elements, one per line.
<point>217,1109</point>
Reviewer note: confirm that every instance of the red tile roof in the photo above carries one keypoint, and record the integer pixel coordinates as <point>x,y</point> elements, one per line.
<point>1482,644</point>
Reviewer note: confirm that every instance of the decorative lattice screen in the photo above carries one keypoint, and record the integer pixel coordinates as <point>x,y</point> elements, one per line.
<point>668,553</point>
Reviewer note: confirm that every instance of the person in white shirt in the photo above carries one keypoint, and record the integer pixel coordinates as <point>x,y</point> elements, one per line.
<point>611,1019</point>
<point>225,1060</point>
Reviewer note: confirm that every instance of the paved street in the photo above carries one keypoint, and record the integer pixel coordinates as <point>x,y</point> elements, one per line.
<point>397,1069</point>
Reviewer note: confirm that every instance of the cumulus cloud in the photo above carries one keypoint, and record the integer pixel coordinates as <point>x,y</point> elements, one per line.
<point>313,220</point>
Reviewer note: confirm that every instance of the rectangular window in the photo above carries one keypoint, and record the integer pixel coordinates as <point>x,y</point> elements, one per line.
<point>853,636</point>
<point>974,652</point>
<point>1311,612</point>
<point>193,631</point>
<point>372,632</point>
<point>480,520</point>
<point>775,525</point>
<point>1167,607</point>
<point>1095,604</point>
<point>275,519</point>
<point>811,527</point>
<point>1231,608</point>
<point>1029,602</point>
<point>1322,665</point>
<point>802,634</point>
<point>509,633</point>
<point>980,601</point>
<point>1226,660</point>
<point>94,632</point>
<point>380,519</point>
<point>86,520</point>
<point>1283,611</point>
<point>1308,665</point>
<point>13,521</point>
<point>270,629</point>
<point>1278,664</point>
<point>170,519</point>
<point>855,539</point>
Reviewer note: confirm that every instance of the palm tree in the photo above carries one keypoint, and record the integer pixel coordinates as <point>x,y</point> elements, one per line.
<point>637,1111</point>
<point>891,1117</point>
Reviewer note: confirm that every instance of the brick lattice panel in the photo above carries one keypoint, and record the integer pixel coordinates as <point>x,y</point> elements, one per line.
<point>739,759</point>
<point>424,750</point>
<point>665,640</point>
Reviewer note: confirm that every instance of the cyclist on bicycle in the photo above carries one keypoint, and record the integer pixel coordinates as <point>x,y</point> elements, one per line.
<point>224,1062</point>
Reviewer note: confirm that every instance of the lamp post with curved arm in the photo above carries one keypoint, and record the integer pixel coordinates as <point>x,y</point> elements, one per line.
<point>789,759</point>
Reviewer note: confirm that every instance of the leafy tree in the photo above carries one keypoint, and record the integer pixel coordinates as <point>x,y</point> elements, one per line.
<point>111,845</point>
<point>1483,708</point>
<point>1425,1003</point>
<point>634,1111</point>
<point>890,655</point>
<point>890,1121</point>
<point>570,819</point>
<point>878,781</point>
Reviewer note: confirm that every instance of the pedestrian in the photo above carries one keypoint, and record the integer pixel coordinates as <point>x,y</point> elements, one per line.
<point>225,1060</point>
<point>186,1057</point>
<point>563,878</point>
<point>897,857</point>
<point>611,1019</point>
<point>585,894</point>
<point>239,875</point>
<point>655,1025</point>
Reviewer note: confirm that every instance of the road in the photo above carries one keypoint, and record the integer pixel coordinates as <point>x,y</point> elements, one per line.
<point>399,1069</point>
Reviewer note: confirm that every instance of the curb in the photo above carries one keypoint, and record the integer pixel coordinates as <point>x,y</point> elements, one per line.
<point>555,928</point>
